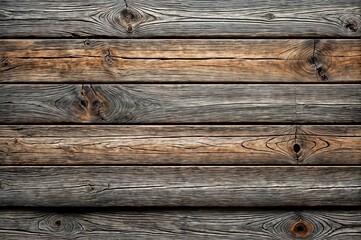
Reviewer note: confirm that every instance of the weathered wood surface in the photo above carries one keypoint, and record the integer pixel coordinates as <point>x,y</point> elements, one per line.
<point>180,18</point>
<point>205,145</point>
<point>181,224</point>
<point>179,103</point>
<point>166,60</point>
<point>180,186</point>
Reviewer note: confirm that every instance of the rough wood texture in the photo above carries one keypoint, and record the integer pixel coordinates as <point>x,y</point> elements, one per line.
<point>179,103</point>
<point>181,224</point>
<point>72,145</point>
<point>180,186</point>
<point>180,18</point>
<point>180,61</point>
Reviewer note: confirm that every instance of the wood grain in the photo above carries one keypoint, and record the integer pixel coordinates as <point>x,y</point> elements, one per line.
<point>179,103</point>
<point>180,186</point>
<point>197,144</point>
<point>181,224</point>
<point>183,60</point>
<point>179,18</point>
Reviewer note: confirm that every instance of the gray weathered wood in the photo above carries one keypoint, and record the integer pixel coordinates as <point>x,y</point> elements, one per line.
<point>180,18</point>
<point>180,224</point>
<point>180,186</point>
<point>197,144</point>
<point>185,60</point>
<point>179,103</point>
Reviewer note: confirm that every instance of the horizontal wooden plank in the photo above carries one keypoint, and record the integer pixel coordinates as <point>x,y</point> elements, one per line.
<point>197,144</point>
<point>179,103</point>
<point>181,224</point>
<point>180,186</point>
<point>184,60</point>
<point>180,18</point>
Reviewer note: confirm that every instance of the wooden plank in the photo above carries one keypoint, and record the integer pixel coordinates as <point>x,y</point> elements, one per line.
<point>166,60</point>
<point>179,18</point>
<point>181,224</point>
<point>179,103</point>
<point>196,144</point>
<point>180,186</point>
<point>73,145</point>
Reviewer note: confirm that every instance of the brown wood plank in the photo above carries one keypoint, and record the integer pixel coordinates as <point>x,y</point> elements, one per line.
<point>179,103</point>
<point>204,145</point>
<point>181,224</point>
<point>180,18</point>
<point>185,60</point>
<point>180,186</point>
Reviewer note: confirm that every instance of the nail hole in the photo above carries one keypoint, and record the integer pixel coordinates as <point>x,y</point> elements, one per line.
<point>296,148</point>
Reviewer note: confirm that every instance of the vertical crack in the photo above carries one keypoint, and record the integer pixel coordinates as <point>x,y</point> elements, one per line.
<point>320,72</point>
<point>315,41</point>
<point>83,101</point>
<point>296,146</point>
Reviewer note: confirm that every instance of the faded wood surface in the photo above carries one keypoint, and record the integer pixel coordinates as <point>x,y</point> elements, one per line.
<point>180,18</point>
<point>181,224</point>
<point>165,60</point>
<point>180,186</point>
<point>205,145</point>
<point>179,103</point>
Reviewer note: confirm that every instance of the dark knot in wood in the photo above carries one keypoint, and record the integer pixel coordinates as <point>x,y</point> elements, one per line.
<point>57,223</point>
<point>87,44</point>
<point>270,16</point>
<point>131,18</point>
<point>296,148</point>
<point>351,24</point>
<point>128,15</point>
<point>301,229</point>
<point>107,57</point>
<point>60,224</point>
<point>5,62</point>
<point>92,105</point>
<point>321,74</point>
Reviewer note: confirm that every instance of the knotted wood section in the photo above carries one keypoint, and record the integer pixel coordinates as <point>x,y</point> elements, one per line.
<point>180,18</point>
<point>179,103</point>
<point>181,224</point>
<point>177,145</point>
<point>164,60</point>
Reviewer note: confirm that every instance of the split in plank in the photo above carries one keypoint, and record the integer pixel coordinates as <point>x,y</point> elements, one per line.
<point>180,18</point>
<point>181,224</point>
<point>221,186</point>
<point>201,145</point>
<point>179,103</point>
<point>164,60</point>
